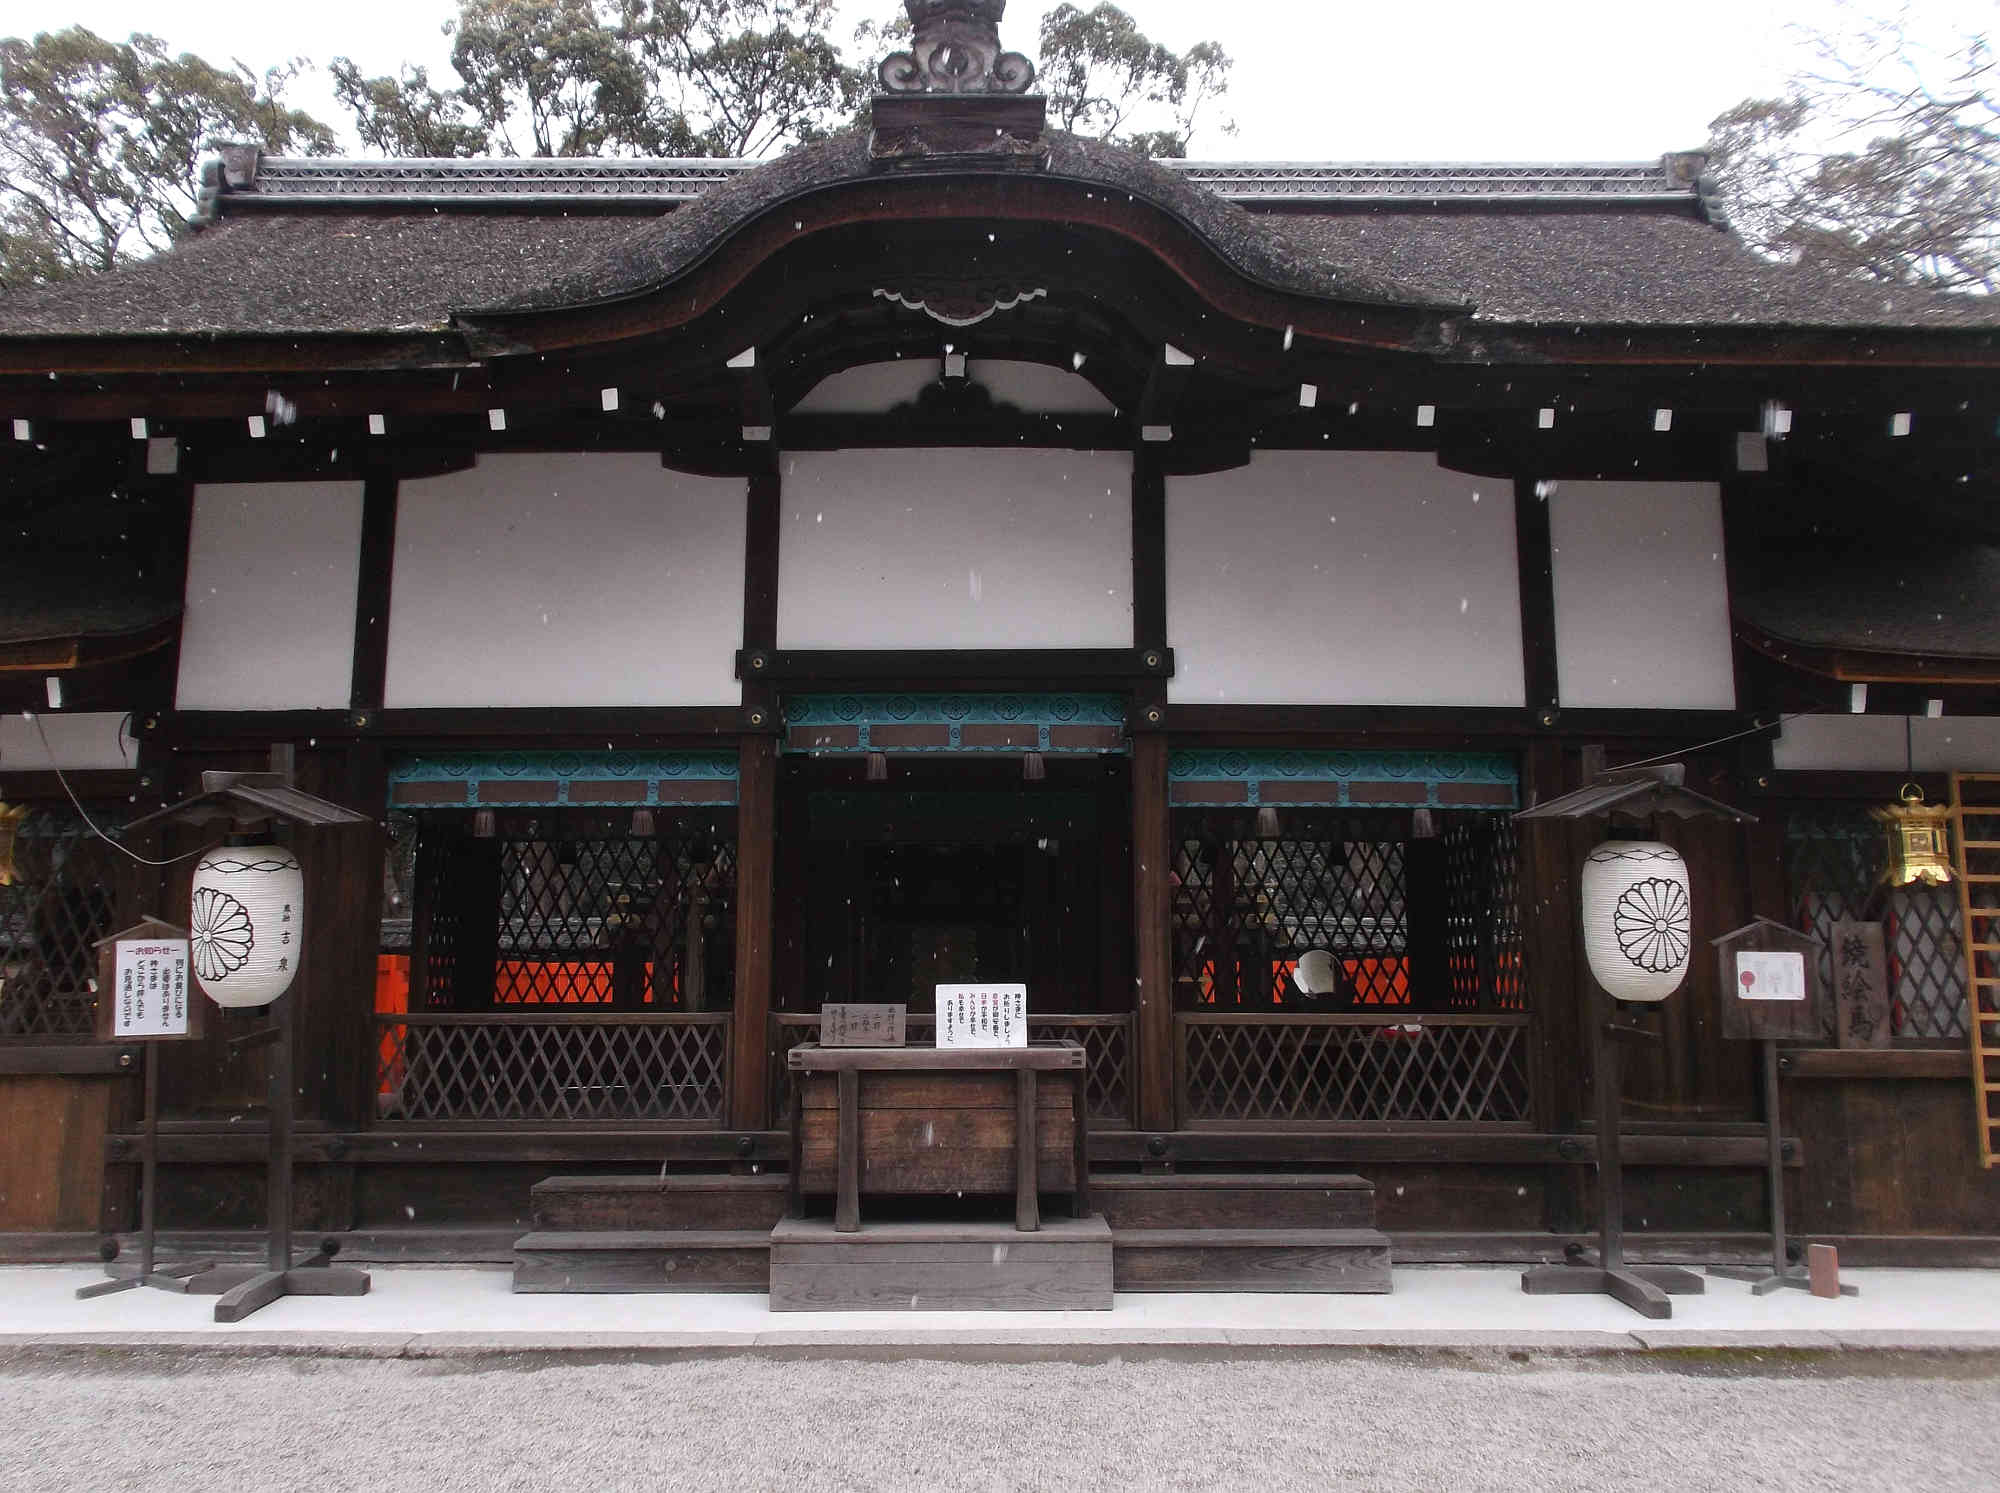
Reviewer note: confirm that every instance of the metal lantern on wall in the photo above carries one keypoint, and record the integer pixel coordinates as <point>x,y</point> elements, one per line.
<point>246,923</point>
<point>1919,840</point>
<point>1637,919</point>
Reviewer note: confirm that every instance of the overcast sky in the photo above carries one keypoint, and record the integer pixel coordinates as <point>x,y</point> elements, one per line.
<point>1469,80</point>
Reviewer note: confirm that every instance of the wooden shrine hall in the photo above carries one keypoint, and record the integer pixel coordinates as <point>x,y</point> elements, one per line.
<point>958,551</point>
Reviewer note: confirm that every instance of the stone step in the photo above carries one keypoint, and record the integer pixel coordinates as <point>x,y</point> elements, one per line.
<point>630,1260</point>
<point>1063,1266</point>
<point>1327,1260</point>
<point>699,1201</point>
<point>1205,1200</point>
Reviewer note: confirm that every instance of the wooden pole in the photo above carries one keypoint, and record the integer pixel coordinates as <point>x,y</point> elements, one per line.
<point>756,852</point>
<point>1152,866</point>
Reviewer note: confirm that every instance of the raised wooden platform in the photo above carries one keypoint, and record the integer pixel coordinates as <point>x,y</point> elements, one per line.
<point>633,1260</point>
<point>1354,1261</point>
<point>705,1201</point>
<point>1065,1265</point>
<point>1233,1200</point>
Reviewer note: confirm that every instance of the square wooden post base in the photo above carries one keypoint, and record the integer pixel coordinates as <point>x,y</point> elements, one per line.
<point>1763,1280</point>
<point>247,1288</point>
<point>173,1278</point>
<point>1644,1288</point>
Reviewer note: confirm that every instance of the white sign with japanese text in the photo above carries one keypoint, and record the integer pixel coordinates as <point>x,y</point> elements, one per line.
<point>149,997</point>
<point>1770,976</point>
<point>982,1016</point>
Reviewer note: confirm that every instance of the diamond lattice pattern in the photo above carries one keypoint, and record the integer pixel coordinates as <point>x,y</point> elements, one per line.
<point>61,902</point>
<point>516,1068</point>
<point>1308,1072</point>
<point>1836,857</point>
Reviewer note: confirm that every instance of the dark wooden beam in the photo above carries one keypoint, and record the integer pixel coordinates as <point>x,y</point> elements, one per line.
<point>1052,666</point>
<point>1152,931</point>
<point>1536,560</point>
<point>1149,552</point>
<point>371,599</point>
<point>756,859</point>
<point>625,726</point>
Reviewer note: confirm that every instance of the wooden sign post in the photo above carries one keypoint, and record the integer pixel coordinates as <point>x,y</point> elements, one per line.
<point>1769,978</point>
<point>144,995</point>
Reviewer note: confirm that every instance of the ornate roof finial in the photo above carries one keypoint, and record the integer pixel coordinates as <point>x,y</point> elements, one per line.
<point>956,49</point>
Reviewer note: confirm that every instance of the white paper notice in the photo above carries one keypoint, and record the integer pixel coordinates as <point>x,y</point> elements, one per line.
<point>151,999</point>
<point>1770,977</point>
<point>982,1015</point>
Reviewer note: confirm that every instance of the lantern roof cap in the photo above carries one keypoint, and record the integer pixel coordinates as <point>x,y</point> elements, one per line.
<point>249,798</point>
<point>1658,789</point>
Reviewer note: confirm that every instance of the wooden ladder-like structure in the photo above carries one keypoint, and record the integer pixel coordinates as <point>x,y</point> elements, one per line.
<point>1975,823</point>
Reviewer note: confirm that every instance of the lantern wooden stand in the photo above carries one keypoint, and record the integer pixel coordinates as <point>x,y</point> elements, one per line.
<point>1640,792</point>
<point>246,1288</point>
<point>1644,1288</point>
<point>1746,1014</point>
<point>240,803</point>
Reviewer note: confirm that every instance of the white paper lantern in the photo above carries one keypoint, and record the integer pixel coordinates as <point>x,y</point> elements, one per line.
<point>1637,919</point>
<point>246,923</point>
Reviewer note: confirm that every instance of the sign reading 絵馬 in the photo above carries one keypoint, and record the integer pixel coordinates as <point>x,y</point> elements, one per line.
<point>982,1016</point>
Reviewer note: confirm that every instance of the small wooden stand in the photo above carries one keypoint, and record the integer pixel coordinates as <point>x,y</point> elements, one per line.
<point>247,1288</point>
<point>1644,1288</point>
<point>148,1273</point>
<point>110,1028</point>
<point>1783,1272</point>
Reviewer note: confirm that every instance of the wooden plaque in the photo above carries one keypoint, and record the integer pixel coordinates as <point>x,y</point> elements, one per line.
<point>145,985</point>
<point>1860,985</point>
<point>1769,978</point>
<point>861,1026</point>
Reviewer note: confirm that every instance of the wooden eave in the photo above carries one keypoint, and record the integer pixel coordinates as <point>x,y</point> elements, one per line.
<point>1869,666</point>
<point>66,652</point>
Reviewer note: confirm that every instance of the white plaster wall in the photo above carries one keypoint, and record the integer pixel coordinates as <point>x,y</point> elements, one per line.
<point>90,740</point>
<point>567,579</point>
<point>956,549</point>
<point>875,388</point>
<point>1352,577</point>
<point>1642,595</point>
<point>272,573</point>
<point>1874,743</point>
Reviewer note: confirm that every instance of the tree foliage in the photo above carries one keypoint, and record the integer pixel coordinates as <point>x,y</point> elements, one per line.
<point>405,115</point>
<point>1105,77</point>
<point>1881,161</point>
<point>102,143</point>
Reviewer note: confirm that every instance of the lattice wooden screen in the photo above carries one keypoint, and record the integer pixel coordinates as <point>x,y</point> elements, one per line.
<point>568,909</point>
<point>1975,808</point>
<point>63,899</point>
<point>1425,923</point>
<point>1837,857</point>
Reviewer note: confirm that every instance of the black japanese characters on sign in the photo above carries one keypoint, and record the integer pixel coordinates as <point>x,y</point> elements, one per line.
<point>861,1025</point>
<point>1860,985</point>
<point>143,989</point>
<point>982,1016</point>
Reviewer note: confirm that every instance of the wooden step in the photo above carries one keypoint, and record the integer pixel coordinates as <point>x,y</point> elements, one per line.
<point>1063,1266</point>
<point>1209,1200</point>
<point>631,1260</point>
<point>1321,1260</point>
<point>701,1201</point>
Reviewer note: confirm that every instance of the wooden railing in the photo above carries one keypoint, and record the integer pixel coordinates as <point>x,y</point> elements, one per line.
<point>1314,1072</point>
<point>538,1067</point>
<point>1106,1042</point>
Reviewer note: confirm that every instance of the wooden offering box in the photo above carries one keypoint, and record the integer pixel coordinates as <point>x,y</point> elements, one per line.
<point>931,1122</point>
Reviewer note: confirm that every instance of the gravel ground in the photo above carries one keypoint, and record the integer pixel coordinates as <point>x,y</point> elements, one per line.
<point>328,1425</point>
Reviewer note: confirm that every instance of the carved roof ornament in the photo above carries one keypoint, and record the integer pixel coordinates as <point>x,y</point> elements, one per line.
<point>956,49</point>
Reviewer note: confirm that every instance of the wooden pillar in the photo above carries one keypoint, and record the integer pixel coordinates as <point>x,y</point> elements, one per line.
<point>1559,996</point>
<point>756,850</point>
<point>1534,554</point>
<point>1152,909</point>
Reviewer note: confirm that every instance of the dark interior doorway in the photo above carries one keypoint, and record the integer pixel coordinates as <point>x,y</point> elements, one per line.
<point>952,871</point>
